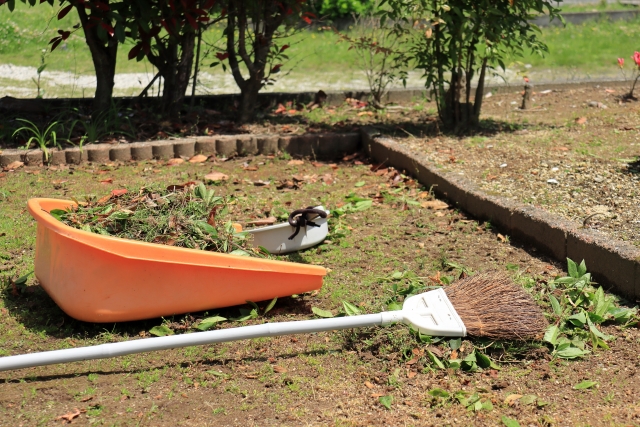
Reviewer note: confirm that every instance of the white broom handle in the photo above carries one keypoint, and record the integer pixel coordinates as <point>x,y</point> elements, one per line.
<point>103,351</point>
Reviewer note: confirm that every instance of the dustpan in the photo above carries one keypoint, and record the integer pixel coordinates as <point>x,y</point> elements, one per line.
<point>275,238</point>
<point>97,278</point>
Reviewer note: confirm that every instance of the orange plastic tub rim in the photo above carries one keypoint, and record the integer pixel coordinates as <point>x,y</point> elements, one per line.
<point>98,278</point>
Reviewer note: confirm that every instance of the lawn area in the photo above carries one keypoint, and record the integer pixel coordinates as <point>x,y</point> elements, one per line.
<point>374,376</point>
<point>575,52</point>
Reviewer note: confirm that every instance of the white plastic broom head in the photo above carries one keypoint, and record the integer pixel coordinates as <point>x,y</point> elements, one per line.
<point>433,314</point>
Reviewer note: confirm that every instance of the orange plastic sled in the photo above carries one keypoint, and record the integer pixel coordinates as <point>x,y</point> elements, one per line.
<point>98,278</point>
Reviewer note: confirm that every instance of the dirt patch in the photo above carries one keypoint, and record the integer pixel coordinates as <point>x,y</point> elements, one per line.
<point>565,156</point>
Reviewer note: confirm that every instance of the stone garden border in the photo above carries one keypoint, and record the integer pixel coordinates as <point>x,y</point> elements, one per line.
<point>324,146</point>
<point>613,262</point>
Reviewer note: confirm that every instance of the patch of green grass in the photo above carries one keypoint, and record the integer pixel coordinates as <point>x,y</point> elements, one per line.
<point>575,49</point>
<point>588,48</point>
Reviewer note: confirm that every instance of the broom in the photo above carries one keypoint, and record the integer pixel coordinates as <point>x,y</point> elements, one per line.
<point>486,305</point>
<point>492,306</point>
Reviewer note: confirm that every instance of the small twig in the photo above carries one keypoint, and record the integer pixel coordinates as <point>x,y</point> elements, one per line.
<point>584,223</point>
<point>146,89</point>
<point>380,165</point>
<point>410,134</point>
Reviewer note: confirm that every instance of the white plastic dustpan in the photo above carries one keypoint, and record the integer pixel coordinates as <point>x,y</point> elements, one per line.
<point>275,238</point>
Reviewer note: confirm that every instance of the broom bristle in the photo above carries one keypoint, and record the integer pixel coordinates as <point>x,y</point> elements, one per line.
<point>491,305</point>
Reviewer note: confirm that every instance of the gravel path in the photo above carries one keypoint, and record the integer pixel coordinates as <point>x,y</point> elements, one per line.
<point>17,81</point>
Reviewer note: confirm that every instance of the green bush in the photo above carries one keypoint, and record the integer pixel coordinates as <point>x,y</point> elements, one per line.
<point>340,8</point>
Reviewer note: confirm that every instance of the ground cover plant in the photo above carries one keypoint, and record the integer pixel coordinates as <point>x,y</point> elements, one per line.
<point>388,238</point>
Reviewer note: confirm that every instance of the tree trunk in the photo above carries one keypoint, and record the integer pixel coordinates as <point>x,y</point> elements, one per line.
<point>104,62</point>
<point>174,62</point>
<point>248,100</point>
<point>477,104</point>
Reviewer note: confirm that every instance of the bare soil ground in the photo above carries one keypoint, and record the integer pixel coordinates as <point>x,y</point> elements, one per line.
<point>331,378</point>
<point>565,155</point>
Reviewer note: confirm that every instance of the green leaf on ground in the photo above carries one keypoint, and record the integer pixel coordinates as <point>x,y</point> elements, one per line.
<point>557,310</point>
<point>572,268</point>
<point>321,313</point>
<point>386,401</point>
<point>350,309</point>
<point>571,353</point>
<point>209,322</point>
<point>436,361</point>
<point>510,422</point>
<point>551,335</point>
<point>584,385</point>
<point>359,184</point>
<point>161,331</point>
<point>394,306</point>
<point>528,399</point>
<point>270,306</point>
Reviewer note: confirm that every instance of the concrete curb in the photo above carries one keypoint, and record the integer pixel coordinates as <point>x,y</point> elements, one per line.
<point>327,146</point>
<point>612,262</point>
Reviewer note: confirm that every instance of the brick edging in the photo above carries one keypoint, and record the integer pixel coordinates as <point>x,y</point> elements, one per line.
<point>612,262</point>
<point>322,146</point>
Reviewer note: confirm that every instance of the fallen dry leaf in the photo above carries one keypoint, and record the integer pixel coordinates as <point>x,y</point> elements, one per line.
<point>279,369</point>
<point>434,204</point>
<point>286,184</point>
<point>412,361</point>
<point>216,176</point>
<point>106,181</point>
<point>250,168</point>
<point>581,120</point>
<point>237,227</point>
<point>251,377</point>
<point>295,162</point>
<point>368,384</point>
<point>454,354</point>
<point>175,162</point>
<point>512,398</point>
<point>198,158</point>
<point>501,237</point>
<point>411,374</point>
<point>176,187</point>
<point>263,221</point>
<point>261,183</point>
<point>377,395</point>
<point>14,165</point>
<point>104,199</point>
<point>68,417</point>
<point>118,192</point>
<point>317,164</point>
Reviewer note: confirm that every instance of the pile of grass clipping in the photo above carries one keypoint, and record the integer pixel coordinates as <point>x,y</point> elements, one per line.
<point>188,216</point>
